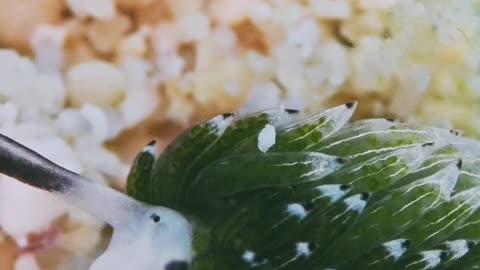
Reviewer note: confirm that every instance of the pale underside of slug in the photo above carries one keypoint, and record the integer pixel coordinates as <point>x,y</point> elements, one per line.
<point>281,190</point>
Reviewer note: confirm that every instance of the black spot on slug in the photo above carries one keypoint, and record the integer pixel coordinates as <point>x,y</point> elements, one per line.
<point>155,218</point>
<point>390,119</point>
<point>312,246</point>
<point>292,111</point>
<point>459,164</point>
<point>177,265</point>
<point>364,196</point>
<point>340,160</point>
<point>228,115</point>
<point>344,187</point>
<point>406,243</point>
<point>428,144</point>
<point>152,143</point>
<point>456,132</point>
<point>470,244</point>
<point>349,104</point>
<point>443,255</point>
<point>308,206</point>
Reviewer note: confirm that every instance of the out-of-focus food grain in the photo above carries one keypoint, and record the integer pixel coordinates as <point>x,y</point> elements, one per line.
<point>19,18</point>
<point>95,82</point>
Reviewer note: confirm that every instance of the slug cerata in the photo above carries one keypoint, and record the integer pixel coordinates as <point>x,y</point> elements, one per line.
<point>280,190</point>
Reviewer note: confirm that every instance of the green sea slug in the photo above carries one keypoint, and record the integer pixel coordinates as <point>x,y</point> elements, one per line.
<point>279,190</point>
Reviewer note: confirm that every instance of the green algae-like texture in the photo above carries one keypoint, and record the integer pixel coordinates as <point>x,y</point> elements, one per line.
<point>319,192</point>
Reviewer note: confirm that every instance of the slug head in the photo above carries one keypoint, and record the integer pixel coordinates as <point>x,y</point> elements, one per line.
<point>153,238</point>
<point>144,237</point>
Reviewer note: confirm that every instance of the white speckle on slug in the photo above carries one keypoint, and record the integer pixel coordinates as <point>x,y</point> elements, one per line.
<point>431,258</point>
<point>322,165</point>
<point>151,149</point>
<point>303,249</point>
<point>248,256</point>
<point>333,192</point>
<point>221,122</point>
<point>282,117</point>
<point>458,247</point>
<point>340,115</point>
<point>471,196</point>
<point>444,180</point>
<point>396,248</point>
<point>266,138</point>
<point>356,203</point>
<point>296,210</point>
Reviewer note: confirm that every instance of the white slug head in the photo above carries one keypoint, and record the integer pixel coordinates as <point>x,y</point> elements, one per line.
<point>154,238</point>
<point>144,237</point>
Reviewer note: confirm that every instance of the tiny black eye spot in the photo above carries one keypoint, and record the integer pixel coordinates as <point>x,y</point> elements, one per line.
<point>344,187</point>
<point>155,218</point>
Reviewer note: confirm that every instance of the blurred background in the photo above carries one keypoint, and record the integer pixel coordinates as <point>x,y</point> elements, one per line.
<point>88,83</point>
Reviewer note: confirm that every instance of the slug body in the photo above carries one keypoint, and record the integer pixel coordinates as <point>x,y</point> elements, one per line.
<point>279,190</point>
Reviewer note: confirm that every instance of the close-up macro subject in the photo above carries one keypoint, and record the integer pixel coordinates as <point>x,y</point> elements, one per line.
<point>239,134</point>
